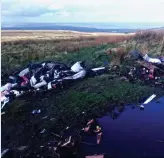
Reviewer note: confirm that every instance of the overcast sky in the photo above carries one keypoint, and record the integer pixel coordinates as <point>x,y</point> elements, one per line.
<point>15,11</point>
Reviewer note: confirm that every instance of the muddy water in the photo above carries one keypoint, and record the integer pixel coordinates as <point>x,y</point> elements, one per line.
<point>134,133</point>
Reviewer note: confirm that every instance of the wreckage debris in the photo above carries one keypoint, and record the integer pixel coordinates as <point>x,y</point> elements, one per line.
<point>36,111</point>
<point>44,76</point>
<point>4,152</point>
<point>68,147</point>
<point>151,60</point>
<point>45,117</point>
<point>2,113</point>
<point>142,107</point>
<point>99,137</point>
<point>137,55</point>
<point>148,100</point>
<point>93,127</point>
<point>52,119</point>
<point>43,131</point>
<point>51,75</point>
<point>95,156</point>
<point>22,148</point>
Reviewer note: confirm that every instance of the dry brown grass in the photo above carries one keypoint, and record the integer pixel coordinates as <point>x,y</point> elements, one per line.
<point>148,42</point>
<point>59,45</point>
<point>147,35</point>
<point>59,40</point>
<point>52,35</point>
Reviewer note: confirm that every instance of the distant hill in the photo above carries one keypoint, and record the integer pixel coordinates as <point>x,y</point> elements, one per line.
<point>65,27</point>
<point>86,27</point>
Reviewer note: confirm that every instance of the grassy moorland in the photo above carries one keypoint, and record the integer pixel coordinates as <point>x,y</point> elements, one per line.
<point>27,46</point>
<point>92,95</point>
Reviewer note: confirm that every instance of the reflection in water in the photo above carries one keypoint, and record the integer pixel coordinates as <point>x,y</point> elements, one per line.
<point>117,111</point>
<point>128,132</point>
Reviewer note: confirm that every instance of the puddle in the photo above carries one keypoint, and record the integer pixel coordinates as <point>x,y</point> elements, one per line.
<point>134,133</point>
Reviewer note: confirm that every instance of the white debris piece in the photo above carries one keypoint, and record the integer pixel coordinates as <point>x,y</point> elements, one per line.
<point>80,74</point>
<point>150,99</point>
<point>142,107</point>
<point>2,113</point>
<point>99,68</point>
<point>5,100</point>
<point>49,85</point>
<point>17,93</point>
<point>152,60</point>
<point>33,81</point>
<point>43,64</point>
<point>24,72</point>
<point>43,131</point>
<point>38,85</point>
<point>36,111</point>
<point>42,78</point>
<point>77,67</point>
<point>22,148</point>
<point>6,87</point>
<point>4,152</point>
